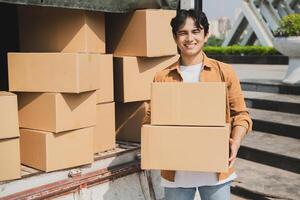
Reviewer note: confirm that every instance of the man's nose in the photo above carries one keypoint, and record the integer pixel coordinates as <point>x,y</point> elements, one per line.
<point>189,37</point>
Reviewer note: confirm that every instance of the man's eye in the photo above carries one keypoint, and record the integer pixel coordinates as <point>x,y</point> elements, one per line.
<point>181,33</point>
<point>196,31</point>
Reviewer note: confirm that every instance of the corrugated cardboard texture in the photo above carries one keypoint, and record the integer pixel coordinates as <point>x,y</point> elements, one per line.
<point>10,167</point>
<point>52,152</point>
<point>201,104</point>
<point>133,76</point>
<point>57,112</point>
<point>106,92</point>
<point>185,148</point>
<point>129,118</point>
<point>142,33</point>
<point>43,29</point>
<point>53,72</point>
<point>105,135</point>
<point>9,122</point>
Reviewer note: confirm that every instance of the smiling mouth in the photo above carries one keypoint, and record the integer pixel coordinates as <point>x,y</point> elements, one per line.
<point>190,46</point>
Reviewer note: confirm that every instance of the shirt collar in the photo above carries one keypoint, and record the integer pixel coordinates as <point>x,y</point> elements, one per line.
<point>206,63</point>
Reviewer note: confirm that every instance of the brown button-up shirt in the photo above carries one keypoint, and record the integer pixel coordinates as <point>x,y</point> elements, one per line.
<point>213,71</point>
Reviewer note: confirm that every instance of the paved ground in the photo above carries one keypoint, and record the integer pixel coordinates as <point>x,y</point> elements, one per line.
<point>266,72</point>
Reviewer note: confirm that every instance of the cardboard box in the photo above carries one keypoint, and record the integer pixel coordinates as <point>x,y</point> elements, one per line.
<point>141,33</point>
<point>105,135</point>
<point>52,152</point>
<point>53,72</point>
<point>9,122</point>
<point>133,75</point>
<point>44,29</point>
<point>106,92</point>
<point>199,104</point>
<point>10,167</point>
<point>203,149</point>
<point>129,118</point>
<point>57,112</point>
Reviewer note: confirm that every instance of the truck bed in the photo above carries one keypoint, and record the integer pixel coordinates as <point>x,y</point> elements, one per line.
<point>107,166</point>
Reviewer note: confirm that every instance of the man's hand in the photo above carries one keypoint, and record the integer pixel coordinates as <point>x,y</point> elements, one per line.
<point>237,135</point>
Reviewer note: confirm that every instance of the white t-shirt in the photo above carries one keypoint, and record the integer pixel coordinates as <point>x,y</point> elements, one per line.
<point>187,179</point>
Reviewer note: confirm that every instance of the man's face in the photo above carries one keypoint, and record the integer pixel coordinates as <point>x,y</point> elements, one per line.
<point>189,38</point>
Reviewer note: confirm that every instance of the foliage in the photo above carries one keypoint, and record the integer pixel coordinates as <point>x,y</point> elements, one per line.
<point>240,50</point>
<point>214,41</point>
<point>289,26</point>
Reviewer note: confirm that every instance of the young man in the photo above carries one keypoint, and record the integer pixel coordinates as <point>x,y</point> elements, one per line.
<point>190,32</point>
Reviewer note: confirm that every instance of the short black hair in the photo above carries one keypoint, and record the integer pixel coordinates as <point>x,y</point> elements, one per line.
<point>198,16</point>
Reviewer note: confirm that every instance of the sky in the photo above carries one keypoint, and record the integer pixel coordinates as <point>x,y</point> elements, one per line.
<point>219,8</point>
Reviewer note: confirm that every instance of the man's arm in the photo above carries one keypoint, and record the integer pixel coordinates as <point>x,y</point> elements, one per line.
<point>240,119</point>
<point>237,135</point>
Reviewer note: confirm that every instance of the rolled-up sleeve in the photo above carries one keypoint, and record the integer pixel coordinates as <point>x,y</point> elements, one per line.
<point>238,111</point>
<point>147,117</point>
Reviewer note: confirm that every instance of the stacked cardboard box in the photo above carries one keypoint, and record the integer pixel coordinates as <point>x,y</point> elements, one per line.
<point>45,29</point>
<point>142,44</point>
<point>145,33</point>
<point>10,167</point>
<point>129,117</point>
<point>105,137</point>
<point>188,129</point>
<point>59,88</point>
<point>76,31</point>
<point>56,97</point>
